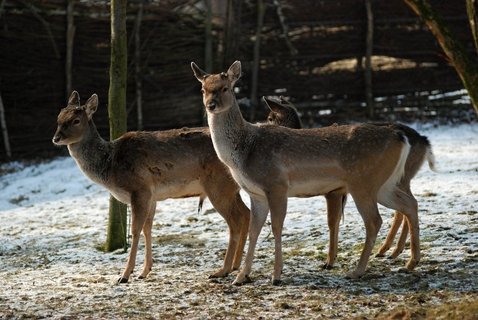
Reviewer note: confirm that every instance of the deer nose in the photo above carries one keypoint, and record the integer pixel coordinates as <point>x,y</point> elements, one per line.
<point>56,139</point>
<point>212,105</point>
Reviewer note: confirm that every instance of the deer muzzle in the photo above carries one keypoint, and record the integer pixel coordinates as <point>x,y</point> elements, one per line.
<point>56,138</point>
<point>211,105</point>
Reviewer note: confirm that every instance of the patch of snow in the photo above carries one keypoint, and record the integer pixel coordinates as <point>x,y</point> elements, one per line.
<point>53,218</point>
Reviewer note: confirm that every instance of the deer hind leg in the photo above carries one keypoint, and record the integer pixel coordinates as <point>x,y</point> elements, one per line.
<point>397,221</point>
<point>148,255</point>
<point>401,241</point>
<point>335,202</point>
<point>140,206</point>
<point>241,210</point>
<point>228,204</point>
<point>368,209</point>
<point>404,202</point>
<point>259,210</point>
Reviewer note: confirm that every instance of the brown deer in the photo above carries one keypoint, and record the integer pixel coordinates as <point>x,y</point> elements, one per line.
<point>141,168</point>
<point>273,163</point>
<point>285,114</point>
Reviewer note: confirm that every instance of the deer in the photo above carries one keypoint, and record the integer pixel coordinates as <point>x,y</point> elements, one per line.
<point>284,113</point>
<point>141,168</point>
<point>273,163</point>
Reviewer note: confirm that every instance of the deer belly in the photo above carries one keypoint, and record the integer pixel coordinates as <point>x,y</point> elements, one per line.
<point>311,188</point>
<point>120,195</point>
<point>184,189</point>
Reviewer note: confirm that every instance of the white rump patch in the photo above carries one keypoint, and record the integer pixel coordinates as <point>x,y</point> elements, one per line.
<point>385,194</point>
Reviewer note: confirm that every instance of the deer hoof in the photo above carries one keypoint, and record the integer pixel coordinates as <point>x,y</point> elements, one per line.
<point>219,274</point>
<point>411,264</point>
<point>240,282</point>
<point>380,255</point>
<point>277,282</point>
<point>353,275</point>
<point>122,280</point>
<point>327,266</point>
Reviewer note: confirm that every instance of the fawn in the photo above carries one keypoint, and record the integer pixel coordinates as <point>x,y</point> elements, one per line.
<point>141,168</point>
<point>285,114</point>
<point>273,163</point>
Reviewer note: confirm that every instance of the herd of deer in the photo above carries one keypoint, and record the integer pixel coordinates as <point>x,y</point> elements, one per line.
<point>271,161</point>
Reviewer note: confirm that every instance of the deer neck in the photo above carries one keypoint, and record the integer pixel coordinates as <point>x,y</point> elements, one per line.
<point>93,155</point>
<point>229,133</point>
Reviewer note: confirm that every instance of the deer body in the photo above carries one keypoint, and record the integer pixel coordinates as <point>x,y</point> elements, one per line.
<point>273,163</point>
<point>140,168</point>
<point>284,113</point>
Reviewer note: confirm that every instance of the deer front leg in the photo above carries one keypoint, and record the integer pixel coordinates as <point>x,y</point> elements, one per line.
<point>147,232</point>
<point>140,205</point>
<point>259,210</point>
<point>335,203</point>
<point>278,207</point>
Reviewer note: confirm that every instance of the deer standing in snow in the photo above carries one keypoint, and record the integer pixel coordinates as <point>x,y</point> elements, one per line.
<point>285,114</point>
<point>273,163</point>
<point>141,168</point>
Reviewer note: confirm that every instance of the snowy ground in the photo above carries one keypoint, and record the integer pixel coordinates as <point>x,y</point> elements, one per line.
<point>53,219</point>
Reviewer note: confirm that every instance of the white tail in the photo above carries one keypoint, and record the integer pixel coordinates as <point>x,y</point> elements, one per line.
<point>273,163</point>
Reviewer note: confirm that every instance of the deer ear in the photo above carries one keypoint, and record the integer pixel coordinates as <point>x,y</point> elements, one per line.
<point>74,99</point>
<point>91,105</point>
<point>234,72</point>
<point>283,101</point>
<point>273,105</point>
<point>198,73</point>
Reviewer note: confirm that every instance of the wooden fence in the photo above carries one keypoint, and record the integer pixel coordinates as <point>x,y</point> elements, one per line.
<point>313,52</point>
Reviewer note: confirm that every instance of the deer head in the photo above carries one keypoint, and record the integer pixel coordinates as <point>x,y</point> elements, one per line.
<point>282,113</point>
<point>73,119</point>
<point>217,89</point>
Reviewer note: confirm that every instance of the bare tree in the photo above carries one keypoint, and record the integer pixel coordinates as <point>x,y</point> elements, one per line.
<point>465,65</point>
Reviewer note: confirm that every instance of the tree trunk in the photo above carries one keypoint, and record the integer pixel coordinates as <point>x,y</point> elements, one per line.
<point>208,35</point>
<point>368,60</point>
<point>3,125</point>
<point>465,66</point>
<point>137,67</point>
<point>70,35</point>
<point>257,55</point>
<point>471,8</point>
<point>116,237</point>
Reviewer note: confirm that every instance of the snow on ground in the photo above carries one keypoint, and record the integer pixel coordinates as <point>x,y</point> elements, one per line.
<point>53,220</point>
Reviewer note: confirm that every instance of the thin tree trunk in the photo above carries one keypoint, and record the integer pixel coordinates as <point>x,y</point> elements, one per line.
<point>257,55</point>
<point>208,35</point>
<point>116,237</point>
<point>465,65</point>
<point>3,124</point>
<point>368,60</point>
<point>471,8</point>
<point>70,35</point>
<point>137,64</point>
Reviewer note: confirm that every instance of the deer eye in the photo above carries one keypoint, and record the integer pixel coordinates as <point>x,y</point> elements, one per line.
<point>225,89</point>
<point>202,91</point>
<point>76,122</point>
<point>270,119</point>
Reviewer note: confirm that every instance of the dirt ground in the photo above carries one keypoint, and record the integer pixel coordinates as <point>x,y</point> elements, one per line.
<point>53,220</point>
